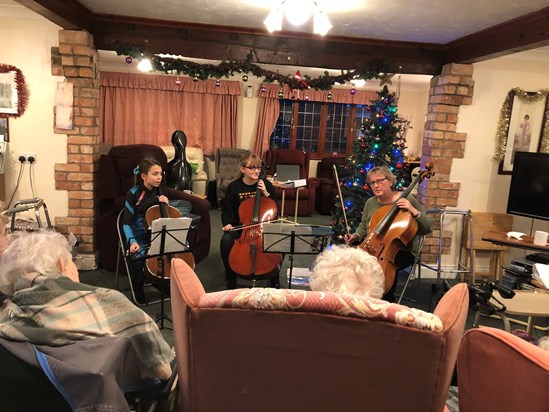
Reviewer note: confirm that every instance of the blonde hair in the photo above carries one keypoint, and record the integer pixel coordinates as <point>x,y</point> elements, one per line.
<point>384,171</point>
<point>248,157</point>
<point>348,270</point>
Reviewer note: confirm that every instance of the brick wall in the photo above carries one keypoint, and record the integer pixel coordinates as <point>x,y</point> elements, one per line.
<point>76,60</point>
<point>442,143</point>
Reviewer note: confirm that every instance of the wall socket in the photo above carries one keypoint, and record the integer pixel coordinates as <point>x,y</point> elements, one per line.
<point>27,156</point>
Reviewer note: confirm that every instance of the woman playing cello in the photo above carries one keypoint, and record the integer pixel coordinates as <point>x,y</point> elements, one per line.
<point>381,181</point>
<point>244,187</point>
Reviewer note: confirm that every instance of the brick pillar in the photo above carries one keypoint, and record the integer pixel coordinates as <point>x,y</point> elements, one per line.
<point>442,143</point>
<point>76,60</point>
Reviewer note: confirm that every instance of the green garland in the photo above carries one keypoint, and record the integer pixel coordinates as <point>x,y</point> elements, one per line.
<point>505,119</point>
<point>196,71</point>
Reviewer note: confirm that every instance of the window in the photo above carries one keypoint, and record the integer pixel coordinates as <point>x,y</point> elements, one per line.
<point>323,129</point>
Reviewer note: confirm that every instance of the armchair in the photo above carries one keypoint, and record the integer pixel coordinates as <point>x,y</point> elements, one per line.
<point>327,191</point>
<point>306,200</point>
<point>329,352</point>
<point>226,169</point>
<point>498,371</point>
<point>115,178</point>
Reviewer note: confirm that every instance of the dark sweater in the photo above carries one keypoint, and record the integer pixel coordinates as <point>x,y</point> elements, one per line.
<point>237,191</point>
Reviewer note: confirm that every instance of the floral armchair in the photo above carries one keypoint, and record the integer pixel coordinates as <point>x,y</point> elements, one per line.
<point>270,349</point>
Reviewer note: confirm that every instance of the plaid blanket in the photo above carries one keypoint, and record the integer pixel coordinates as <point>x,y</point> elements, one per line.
<point>55,311</point>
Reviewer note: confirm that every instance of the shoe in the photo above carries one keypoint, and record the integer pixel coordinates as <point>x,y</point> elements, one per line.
<point>139,295</point>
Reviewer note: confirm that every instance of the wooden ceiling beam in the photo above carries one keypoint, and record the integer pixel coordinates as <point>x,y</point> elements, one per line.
<point>296,49</point>
<point>523,33</point>
<point>68,14</point>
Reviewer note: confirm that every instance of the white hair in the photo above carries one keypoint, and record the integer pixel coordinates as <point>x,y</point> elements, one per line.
<point>348,270</point>
<point>544,342</point>
<point>32,252</point>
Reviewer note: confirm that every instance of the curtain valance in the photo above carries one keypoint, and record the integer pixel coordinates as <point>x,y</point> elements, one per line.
<point>167,83</point>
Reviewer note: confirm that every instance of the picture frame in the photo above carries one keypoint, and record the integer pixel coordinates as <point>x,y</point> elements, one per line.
<point>8,93</point>
<point>525,124</point>
<point>13,91</point>
<point>4,130</point>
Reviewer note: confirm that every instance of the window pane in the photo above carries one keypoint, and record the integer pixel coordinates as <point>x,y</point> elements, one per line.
<point>337,123</point>
<point>362,113</point>
<point>308,126</point>
<point>280,138</point>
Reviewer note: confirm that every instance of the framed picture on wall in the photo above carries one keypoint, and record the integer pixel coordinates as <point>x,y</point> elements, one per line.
<point>8,93</point>
<point>525,127</point>
<point>4,130</point>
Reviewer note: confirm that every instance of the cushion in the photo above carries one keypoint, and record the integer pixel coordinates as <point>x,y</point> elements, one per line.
<point>269,299</point>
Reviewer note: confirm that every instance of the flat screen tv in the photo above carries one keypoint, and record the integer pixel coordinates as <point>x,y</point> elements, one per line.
<point>529,191</point>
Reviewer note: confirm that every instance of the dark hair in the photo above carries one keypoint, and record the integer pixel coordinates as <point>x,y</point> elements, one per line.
<point>146,164</point>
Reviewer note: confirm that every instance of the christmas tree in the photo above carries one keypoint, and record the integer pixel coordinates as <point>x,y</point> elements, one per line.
<point>381,142</point>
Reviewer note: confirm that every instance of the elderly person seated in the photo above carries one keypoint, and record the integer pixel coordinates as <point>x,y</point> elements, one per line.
<point>347,270</point>
<point>47,305</point>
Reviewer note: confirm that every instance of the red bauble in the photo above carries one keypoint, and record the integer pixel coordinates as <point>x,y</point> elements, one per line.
<point>365,187</point>
<point>398,166</point>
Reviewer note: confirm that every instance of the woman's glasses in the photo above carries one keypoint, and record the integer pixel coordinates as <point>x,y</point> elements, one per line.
<point>253,168</point>
<point>377,182</point>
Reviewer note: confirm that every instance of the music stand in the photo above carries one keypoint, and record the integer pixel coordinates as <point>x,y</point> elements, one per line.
<point>295,239</point>
<point>168,236</point>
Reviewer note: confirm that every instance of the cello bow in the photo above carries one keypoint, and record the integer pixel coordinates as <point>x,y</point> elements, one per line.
<point>347,228</point>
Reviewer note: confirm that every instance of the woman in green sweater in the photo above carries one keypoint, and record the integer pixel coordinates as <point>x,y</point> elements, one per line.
<point>381,181</point>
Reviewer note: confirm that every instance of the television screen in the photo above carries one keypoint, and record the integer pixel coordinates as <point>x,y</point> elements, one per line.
<point>529,191</point>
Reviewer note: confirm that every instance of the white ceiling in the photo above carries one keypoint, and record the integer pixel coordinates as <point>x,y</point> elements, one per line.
<point>432,21</point>
<point>435,21</point>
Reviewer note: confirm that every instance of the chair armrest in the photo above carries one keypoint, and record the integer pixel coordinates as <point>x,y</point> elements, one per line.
<point>313,182</point>
<point>199,206</point>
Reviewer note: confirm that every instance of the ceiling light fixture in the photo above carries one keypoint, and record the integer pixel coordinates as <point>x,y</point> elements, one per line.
<point>298,12</point>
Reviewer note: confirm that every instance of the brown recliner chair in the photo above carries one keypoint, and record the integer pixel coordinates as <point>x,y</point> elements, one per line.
<point>268,349</point>
<point>498,371</point>
<point>307,194</point>
<point>327,192</point>
<point>116,177</point>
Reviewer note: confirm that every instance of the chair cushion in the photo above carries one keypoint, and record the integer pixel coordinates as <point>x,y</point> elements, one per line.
<point>269,299</point>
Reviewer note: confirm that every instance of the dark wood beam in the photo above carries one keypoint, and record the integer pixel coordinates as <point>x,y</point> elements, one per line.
<point>287,48</point>
<point>523,33</point>
<point>69,14</point>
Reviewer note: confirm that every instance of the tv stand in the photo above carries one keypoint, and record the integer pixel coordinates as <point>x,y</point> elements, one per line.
<point>538,257</point>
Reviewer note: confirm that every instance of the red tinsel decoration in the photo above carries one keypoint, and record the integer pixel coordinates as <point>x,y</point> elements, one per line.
<point>21,90</point>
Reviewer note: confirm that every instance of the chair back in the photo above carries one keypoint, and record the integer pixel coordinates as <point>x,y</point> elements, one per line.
<point>268,349</point>
<point>226,168</point>
<point>498,371</point>
<point>273,157</point>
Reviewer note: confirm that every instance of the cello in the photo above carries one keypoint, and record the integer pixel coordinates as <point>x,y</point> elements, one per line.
<point>390,228</point>
<point>156,265</point>
<point>247,257</point>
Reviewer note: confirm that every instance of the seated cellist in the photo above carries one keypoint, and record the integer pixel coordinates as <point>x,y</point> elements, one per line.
<point>244,187</point>
<point>381,180</point>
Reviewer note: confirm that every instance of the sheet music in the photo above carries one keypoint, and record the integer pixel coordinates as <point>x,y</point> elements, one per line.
<point>175,237</point>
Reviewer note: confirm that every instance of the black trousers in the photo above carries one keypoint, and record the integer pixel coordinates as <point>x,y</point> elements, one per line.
<point>225,246</point>
<point>403,260</point>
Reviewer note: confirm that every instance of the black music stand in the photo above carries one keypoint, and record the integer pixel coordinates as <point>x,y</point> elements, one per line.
<point>293,238</point>
<point>168,236</point>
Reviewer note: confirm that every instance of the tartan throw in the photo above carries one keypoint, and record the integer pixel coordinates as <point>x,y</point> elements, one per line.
<point>53,310</point>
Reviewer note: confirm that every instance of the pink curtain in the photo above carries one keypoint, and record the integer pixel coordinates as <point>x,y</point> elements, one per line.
<point>141,108</point>
<point>269,107</point>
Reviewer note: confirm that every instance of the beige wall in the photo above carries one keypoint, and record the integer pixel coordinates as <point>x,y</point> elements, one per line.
<point>26,44</point>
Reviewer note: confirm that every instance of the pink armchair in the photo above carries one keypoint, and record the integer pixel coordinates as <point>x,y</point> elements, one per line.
<point>270,350</point>
<point>307,194</point>
<point>498,371</point>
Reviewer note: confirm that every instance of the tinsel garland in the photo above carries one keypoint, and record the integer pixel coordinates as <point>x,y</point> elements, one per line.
<point>505,119</point>
<point>197,71</point>
<point>22,94</point>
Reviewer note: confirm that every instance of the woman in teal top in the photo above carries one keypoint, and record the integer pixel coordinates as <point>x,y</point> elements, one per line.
<point>381,181</point>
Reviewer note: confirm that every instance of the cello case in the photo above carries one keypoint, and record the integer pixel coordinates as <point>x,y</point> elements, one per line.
<point>179,171</point>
